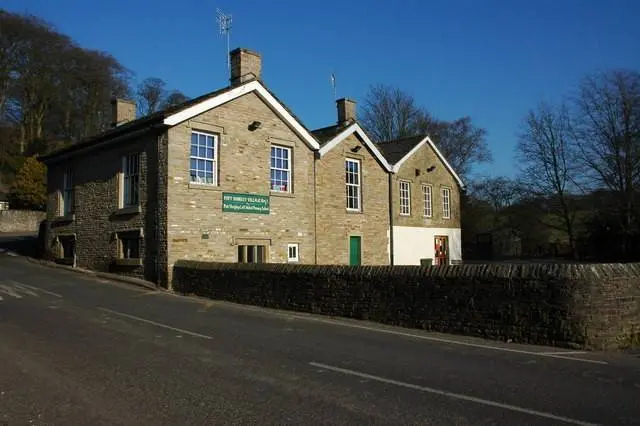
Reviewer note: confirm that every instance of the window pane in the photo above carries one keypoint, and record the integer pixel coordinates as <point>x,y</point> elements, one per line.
<point>194,164</point>
<point>250,254</point>
<point>241,258</point>
<point>194,139</point>
<point>209,141</point>
<point>210,153</point>
<point>209,166</point>
<point>261,254</point>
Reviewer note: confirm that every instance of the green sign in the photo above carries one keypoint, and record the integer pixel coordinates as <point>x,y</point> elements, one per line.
<point>245,203</point>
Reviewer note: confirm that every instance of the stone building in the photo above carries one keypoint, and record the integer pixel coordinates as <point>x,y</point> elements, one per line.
<point>425,199</point>
<point>231,176</point>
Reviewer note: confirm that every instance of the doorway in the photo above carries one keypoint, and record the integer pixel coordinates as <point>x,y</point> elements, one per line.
<point>441,246</point>
<point>355,250</point>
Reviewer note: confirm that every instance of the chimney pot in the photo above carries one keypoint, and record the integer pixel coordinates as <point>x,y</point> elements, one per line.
<point>246,65</point>
<point>122,111</point>
<point>346,110</point>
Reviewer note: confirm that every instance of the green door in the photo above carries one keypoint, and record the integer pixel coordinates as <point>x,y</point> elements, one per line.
<point>355,244</point>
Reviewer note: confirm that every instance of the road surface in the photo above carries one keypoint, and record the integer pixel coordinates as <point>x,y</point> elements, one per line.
<point>75,350</point>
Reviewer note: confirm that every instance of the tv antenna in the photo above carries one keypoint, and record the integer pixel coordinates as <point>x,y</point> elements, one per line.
<point>224,24</point>
<point>333,85</point>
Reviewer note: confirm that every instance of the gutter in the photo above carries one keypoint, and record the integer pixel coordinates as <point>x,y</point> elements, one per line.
<point>98,144</point>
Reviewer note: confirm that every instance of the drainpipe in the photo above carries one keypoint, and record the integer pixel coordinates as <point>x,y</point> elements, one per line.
<point>315,210</point>
<point>390,218</point>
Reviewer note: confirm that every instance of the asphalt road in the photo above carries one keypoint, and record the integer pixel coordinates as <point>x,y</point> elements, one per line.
<point>81,351</point>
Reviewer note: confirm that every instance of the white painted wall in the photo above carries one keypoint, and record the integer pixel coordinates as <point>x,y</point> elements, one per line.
<point>412,243</point>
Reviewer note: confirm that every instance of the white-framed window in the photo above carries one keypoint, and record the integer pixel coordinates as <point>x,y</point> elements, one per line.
<point>446,203</point>
<point>353,184</point>
<point>67,194</point>
<point>203,167</point>
<point>131,180</point>
<point>292,252</point>
<point>280,169</point>
<point>427,192</point>
<point>405,198</point>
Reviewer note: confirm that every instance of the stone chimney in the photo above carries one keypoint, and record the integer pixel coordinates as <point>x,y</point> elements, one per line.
<point>245,65</point>
<point>122,111</point>
<point>346,110</point>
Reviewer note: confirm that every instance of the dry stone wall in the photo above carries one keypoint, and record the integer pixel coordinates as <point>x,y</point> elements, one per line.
<point>585,306</point>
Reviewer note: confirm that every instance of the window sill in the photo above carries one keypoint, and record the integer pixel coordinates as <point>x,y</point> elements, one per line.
<point>127,262</point>
<point>66,218</point>
<point>205,186</point>
<point>128,210</point>
<point>282,194</point>
<point>354,211</point>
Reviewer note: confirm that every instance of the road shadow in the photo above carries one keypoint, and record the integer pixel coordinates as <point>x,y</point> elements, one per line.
<point>25,244</point>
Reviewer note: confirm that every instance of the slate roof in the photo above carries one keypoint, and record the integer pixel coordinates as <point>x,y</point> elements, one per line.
<point>395,150</point>
<point>326,134</point>
<point>151,119</point>
<point>132,125</point>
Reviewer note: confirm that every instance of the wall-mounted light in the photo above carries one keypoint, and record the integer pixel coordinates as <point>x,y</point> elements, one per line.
<point>430,169</point>
<point>255,125</point>
<point>356,148</point>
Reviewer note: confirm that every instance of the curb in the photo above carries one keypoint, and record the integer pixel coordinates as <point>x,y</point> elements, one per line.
<point>105,275</point>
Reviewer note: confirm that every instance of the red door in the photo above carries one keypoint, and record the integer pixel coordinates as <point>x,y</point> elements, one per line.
<point>441,246</point>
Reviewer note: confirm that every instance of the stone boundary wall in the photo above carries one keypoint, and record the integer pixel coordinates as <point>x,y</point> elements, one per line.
<point>20,220</point>
<point>595,306</point>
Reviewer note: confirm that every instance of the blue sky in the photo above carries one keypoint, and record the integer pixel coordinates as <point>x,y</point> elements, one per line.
<point>492,60</point>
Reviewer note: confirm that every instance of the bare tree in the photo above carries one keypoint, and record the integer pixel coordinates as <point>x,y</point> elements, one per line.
<point>608,132</point>
<point>389,113</point>
<point>500,192</point>
<point>33,74</point>
<point>151,93</point>
<point>548,166</point>
<point>174,98</point>
<point>461,142</point>
<point>51,89</point>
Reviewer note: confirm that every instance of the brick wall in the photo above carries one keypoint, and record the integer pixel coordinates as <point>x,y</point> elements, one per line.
<point>197,227</point>
<point>20,220</point>
<point>591,306</point>
<point>335,223</point>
